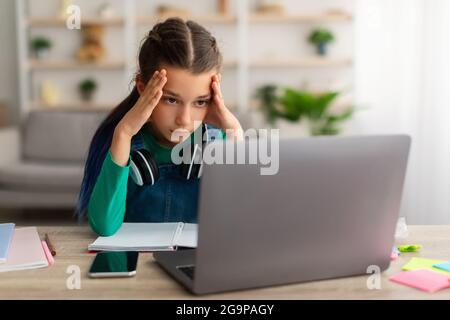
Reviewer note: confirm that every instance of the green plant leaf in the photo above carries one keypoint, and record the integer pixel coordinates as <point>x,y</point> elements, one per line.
<point>321,35</point>
<point>294,104</point>
<point>39,43</point>
<point>292,101</point>
<point>341,117</point>
<point>87,85</point>
<point>267,95</point>
<point>323,102</point>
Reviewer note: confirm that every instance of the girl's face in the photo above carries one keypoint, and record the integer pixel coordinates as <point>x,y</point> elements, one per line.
<point>183,105</point>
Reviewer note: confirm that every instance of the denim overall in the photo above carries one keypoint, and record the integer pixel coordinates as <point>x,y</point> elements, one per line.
<point>172,198</point>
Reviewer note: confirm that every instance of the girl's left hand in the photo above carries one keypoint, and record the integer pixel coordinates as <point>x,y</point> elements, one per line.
<point>218,114</point>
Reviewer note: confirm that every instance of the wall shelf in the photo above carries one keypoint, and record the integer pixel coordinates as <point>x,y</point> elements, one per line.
<point>73,106</point>
<point>34,64</point>
<point>45,22</point>
<point>291,18</point>
<point>212,18</point>
<point>301,62</point>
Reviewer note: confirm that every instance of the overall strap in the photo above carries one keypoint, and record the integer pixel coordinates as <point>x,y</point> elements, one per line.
<point>137,142</point>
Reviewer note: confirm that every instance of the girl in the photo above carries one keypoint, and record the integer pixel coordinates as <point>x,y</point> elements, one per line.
<point>177,88</point>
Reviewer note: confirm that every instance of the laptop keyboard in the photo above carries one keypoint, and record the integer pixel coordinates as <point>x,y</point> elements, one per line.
<point>187,270</point>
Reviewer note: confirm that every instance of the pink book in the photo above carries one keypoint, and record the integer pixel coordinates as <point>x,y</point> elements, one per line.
<point>25,251</point>
<point>422,279</point>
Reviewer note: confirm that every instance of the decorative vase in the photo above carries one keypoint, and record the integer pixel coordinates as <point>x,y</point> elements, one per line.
<point>42,54</point>
<point>322,49</point>
<point>87,96</point>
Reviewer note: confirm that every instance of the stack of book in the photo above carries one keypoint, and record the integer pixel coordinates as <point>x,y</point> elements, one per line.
<point>21,249</point>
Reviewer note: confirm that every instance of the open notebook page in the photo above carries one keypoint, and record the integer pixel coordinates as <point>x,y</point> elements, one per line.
<point>138,237</point>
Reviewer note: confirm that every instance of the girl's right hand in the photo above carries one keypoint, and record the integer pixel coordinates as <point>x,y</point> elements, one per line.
<point>140,113</point>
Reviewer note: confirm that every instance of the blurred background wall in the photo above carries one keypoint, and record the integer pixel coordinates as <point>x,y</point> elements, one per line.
<point>386,69</point>
<point>403,77</point>
<point>9,93</point>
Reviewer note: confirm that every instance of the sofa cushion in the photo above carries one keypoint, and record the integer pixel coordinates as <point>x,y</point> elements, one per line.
<point>41,176</point>
<point>13,199</point>
<point>59,135</point>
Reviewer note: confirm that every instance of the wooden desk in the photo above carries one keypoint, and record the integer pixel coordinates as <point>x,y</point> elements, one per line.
<point>151,282</point>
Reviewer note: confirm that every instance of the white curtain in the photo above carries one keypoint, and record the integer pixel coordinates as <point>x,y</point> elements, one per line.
<point>402,77</point>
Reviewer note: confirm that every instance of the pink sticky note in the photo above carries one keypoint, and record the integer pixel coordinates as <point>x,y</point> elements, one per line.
<point>425,280</point>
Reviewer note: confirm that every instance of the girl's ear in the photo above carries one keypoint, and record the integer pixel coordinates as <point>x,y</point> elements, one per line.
<point>140,85</point>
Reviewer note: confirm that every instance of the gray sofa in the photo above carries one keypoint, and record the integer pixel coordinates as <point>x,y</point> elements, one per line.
<point>42,161</point>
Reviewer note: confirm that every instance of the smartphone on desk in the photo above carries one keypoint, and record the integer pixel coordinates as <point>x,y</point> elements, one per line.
<point>114,264</point>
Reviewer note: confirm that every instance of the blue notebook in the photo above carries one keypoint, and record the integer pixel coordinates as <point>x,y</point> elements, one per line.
<point>6,234</point>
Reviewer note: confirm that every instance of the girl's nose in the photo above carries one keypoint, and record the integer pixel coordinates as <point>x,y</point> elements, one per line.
<point>183,118</point>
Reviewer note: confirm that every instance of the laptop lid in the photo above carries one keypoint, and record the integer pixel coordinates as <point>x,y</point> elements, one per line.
<point>329,212</point>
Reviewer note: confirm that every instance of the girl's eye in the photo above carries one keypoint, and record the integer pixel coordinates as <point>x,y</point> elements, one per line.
<point>170,100</point>
<point>202,103</point>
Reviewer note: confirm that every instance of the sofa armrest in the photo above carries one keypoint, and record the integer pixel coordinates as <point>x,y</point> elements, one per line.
<point>9,145</point>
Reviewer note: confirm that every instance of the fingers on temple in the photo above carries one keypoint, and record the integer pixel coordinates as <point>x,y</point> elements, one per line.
<point>155,82</point>
<point>217,89</point>
<point>151,82</point>
<point>156,87</point>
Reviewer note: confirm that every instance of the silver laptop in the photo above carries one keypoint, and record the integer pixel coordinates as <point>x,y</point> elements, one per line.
<point>330,212</point>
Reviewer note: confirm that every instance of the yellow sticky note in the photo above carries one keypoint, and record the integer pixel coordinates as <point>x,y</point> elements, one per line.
<point>422,263</point>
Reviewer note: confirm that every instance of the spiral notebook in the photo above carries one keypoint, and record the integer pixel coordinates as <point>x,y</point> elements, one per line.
<point>148,237</point>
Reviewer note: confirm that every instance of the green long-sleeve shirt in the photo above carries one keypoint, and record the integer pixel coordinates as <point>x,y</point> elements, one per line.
<point>107,204</point>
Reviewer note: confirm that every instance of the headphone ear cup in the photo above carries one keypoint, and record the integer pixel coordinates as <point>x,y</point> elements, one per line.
<point>144,168</point>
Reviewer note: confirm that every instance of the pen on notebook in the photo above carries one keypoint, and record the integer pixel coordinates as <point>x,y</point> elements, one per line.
<point>50,245</point>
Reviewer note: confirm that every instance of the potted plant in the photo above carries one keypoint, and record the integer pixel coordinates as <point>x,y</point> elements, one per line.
<point>41,47</point>
<point>87,88</point>
<point>321,37</point>
<point>296,105</point>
